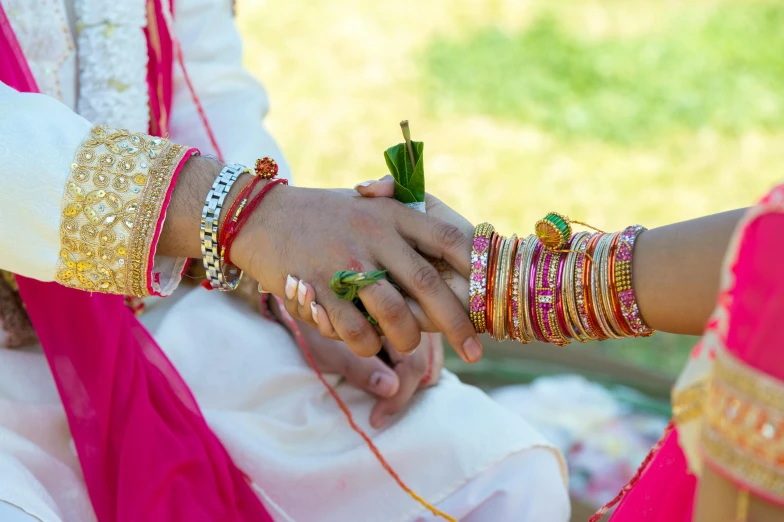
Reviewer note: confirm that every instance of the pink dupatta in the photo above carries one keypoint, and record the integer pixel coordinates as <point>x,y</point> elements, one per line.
<point>145,449</point>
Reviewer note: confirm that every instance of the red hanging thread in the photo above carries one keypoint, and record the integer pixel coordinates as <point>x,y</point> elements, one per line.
<point>342,405</point>
<point>290,322</point>
<point>167,17</point>
<point>636,478</point>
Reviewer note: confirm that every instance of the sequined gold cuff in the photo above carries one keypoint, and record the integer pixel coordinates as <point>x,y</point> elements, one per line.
<point>743,434</point>
<point>112,210</point>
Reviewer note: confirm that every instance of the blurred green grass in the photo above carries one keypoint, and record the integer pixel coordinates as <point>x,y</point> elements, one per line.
<point>722,69</point>
<point>612,112</point>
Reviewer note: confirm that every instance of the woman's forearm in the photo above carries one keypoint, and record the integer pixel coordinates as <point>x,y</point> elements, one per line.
<point>677,271</point>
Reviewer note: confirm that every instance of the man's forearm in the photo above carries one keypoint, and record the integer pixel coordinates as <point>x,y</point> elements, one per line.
<point>180,233</point>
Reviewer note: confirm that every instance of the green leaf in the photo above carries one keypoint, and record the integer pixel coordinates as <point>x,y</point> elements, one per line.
<point>409,180</point>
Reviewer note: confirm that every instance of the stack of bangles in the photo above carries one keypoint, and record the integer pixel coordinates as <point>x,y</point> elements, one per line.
<point>554,286</point>
<point>217,236</point>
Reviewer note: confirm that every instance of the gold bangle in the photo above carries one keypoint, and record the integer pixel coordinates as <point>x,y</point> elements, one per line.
<point>570,297</point>
<point>502,279</point>
<point>527,247</point>
<point>598,294</point>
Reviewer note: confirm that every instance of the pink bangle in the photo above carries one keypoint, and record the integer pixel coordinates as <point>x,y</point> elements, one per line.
<point>623,278</point>
<point>545,298</point>
<point>532,297</point>
<point>480,251</point>
<point>559,294</point>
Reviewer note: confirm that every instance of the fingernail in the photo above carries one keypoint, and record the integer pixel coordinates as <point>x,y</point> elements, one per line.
<point>314,312</point>
<point>291,288</point>
<point>472,349</point>
<point>303,292</point>
<point>382,383</point>
<point>365,184</point>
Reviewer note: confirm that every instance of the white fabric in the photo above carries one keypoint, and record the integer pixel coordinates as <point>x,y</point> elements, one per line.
<point>39,136</point>
<point>113,63</point>
<point>454,445</point>
<point>9,513</point>
<point>235,103</point>
<point>38,139</point>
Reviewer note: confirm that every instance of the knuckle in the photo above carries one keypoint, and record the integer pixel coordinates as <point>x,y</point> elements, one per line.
<point>407,345</point>
<point>364,220</point>
<point>355,332</point>
<point>448,236</point>
<point>393,308</point>
<point>460,323</point>
<point>426,279</point>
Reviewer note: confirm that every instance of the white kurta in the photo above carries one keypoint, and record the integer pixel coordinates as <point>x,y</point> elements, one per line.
<point>453,445</point>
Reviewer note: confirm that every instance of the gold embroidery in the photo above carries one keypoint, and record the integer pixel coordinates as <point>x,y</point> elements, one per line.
<point>688,404</point>
<point>111,206</point>
<point>744,428</point>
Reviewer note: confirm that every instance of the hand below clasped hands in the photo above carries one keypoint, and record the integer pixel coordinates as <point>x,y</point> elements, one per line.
<point>394,385</point>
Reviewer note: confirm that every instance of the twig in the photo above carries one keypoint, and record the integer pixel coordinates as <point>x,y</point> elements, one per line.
<point>407,137</point>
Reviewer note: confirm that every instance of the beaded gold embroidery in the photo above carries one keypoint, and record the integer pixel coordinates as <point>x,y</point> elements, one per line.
<point>744,430</point>
<point>111,206</point>
<point>688,404</point>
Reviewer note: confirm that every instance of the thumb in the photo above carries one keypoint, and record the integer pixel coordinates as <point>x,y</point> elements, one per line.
<point>370,374</point>
<point>382,188</point>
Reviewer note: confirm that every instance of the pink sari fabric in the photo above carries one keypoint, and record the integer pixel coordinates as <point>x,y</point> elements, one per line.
<point>755,306</point>
<point>145,450</point>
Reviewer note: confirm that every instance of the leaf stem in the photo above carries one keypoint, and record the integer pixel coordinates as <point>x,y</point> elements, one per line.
<point>407,137</point>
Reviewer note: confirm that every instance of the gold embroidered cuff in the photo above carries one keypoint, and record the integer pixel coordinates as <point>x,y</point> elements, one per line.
<point>743,436</point>
<point>112,208</point>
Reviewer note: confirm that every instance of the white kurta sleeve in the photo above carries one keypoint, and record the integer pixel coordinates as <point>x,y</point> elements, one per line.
<point>83,205</point>
<point>38,139</point>
<point>234,102</point>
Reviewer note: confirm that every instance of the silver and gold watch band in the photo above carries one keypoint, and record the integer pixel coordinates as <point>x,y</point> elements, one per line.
<point>210,222</point>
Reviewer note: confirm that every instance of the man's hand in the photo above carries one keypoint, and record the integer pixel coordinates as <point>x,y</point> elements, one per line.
<point>299,238</point>
<point>393,386</point>
<point>310,234</point>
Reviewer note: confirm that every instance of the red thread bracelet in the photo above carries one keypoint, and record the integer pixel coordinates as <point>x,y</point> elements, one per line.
<point>265,169</point>
<point>234,227</point>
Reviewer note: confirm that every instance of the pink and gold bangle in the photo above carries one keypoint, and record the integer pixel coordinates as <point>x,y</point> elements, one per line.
<point>613,289</point>
<point>519,294</point>
<point>545,297</point>
<point>478,285</point>
<point>560,310</point>
<point>537,258</point>
<point>579,290</point>
<point>623,279</point>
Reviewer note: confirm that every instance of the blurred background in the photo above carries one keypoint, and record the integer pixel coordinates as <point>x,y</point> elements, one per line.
<point>613,112</point>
